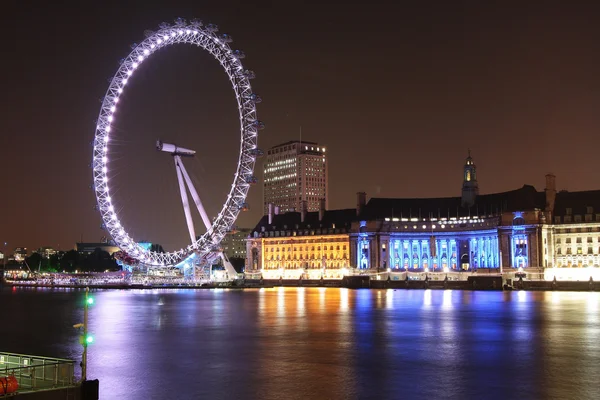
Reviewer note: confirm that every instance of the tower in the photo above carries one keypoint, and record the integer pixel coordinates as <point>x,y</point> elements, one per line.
<point>550,191</point>
<point>470,188</point>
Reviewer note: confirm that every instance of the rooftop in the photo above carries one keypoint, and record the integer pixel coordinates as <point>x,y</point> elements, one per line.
<point>292,220</point>
<point>525,198</point>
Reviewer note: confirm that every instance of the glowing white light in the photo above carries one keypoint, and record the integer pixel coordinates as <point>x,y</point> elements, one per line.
<point>146,51</point>
<point>159,41</point>
<point>166,37</point>
<point>104,169</point>
<point>113,109</point>
<point>110,118</point>
<point>108,199</point>
<point>113,217</point>
<point>104,159</point>
<point>116,100</point>
<point>180,32</point>
<point>129,72</point>
<point>107,129</point>
<point>111,208</point>
<point>106,138</point>
<point>187,31</point>
<point>119,90</point>
<point>140,58</point>
<point>172,34</point>
<point>195,32</point>
<point>105,179</point>
<point>105,149</point>
<point>135,65</point>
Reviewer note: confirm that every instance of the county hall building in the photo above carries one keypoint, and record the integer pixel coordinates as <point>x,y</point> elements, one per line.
<point>544,233</point>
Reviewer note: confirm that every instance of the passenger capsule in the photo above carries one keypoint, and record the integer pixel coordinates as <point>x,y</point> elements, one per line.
<point>212,28</point>
<point>226,38</point>
<point>255,98</point>
<point>239,54</point>
<point>249,74</point>
<point>257,153</point>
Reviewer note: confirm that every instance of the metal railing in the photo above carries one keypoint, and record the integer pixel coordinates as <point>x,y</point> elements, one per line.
<point>37,373</point>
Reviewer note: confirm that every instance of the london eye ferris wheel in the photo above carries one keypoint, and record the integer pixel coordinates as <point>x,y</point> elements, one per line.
<point>207,38</point>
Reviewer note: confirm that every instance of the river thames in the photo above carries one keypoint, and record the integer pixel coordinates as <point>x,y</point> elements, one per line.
<point>317,343</point>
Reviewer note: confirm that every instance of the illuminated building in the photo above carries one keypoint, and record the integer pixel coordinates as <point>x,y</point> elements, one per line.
<point>573,240</point>
<point>20,254</point>
<point>301,244</point>
<point>464,233</point>
<point>234,244</point>
<point>295,171</point>
<point>543,233</point>
<point>46,252</point>
<point>89,248</point>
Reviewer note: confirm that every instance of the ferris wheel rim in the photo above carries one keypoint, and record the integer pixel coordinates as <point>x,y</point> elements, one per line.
<point>206,38</point>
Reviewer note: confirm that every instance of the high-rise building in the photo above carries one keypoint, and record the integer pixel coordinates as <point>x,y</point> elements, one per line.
<point>295,172</point>
<point>234,244</point>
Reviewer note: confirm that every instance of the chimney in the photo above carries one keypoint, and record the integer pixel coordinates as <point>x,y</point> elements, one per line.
<point>321,209</point>
<point>276,210</point>
<point>550,195</point>
<point>303,210</point>
<point>270,207</point>
<point>361,200</point>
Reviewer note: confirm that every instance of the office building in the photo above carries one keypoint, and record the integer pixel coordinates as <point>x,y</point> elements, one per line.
<point>294,172</point>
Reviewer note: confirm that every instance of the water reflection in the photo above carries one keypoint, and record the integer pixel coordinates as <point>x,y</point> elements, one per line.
<point>321,342</point>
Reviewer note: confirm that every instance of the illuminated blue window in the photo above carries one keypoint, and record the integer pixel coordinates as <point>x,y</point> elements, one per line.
<point>519,248</point>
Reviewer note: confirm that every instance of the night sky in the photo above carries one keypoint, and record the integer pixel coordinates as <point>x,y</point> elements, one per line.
<point>397,92</point>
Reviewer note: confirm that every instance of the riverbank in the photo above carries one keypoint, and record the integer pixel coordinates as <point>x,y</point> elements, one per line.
<point>351,282</point>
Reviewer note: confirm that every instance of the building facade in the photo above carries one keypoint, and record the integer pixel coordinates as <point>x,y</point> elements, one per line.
<point>46,252</point>
<point>573,240</point>
<point>546,234</point>
<point>89,248</point>
<point>467,233</point>
<point>301,244</point>
<point>234,244</point>
<point>294,172</point>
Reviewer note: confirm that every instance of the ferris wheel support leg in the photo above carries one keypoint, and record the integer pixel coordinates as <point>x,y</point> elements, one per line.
<point>228,267</point>
<point>184,199</point>
<point>196,198</point>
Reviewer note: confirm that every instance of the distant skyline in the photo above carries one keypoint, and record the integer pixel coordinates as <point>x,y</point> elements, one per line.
<point>396,92</point>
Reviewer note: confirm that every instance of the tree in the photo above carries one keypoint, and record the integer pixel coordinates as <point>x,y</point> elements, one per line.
<point>69,261</point>
<point>34,261</point>
<point>54,262</point>
<point>238,263</point>
<point>99,260</point>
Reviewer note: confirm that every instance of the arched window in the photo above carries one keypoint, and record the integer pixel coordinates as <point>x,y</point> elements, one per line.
<point>519,221</point>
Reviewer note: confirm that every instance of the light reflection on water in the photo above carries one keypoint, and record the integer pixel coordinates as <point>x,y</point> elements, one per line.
<point>324,343</point>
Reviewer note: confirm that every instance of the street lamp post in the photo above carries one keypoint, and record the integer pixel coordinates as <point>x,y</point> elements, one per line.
<point>85,339</point>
